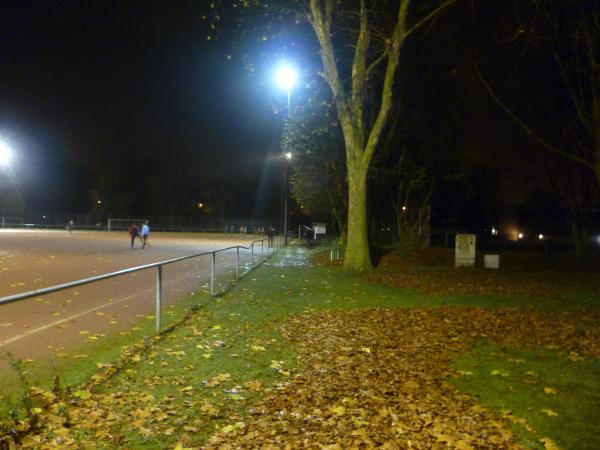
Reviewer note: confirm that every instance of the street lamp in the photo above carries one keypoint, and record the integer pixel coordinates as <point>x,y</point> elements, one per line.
<point>286,78</point>
<point>5,154</point>
<point>288,158</point>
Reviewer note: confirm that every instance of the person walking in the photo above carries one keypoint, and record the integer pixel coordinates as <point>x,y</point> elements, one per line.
<point>145,233</point>
<point>70,226</point>
<point>134,232</point>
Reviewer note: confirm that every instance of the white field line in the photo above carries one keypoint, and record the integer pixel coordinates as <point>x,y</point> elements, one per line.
<point>74,316</point>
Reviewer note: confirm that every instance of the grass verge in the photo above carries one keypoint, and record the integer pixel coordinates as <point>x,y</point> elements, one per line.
<point>541,392</point>
<point>206,373</point>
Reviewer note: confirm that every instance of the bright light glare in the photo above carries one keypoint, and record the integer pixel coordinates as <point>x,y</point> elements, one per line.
<point>540,236</point>
<point>288,155</point>
<point>520,235</point>
<point>4,154</point>
<point>286,78</point>
<point>494,231</point>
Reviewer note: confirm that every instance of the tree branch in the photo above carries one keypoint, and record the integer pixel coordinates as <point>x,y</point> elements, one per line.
<point>528,130</point>
<point>321,23</point>
<point>429,16</point>
<point>393,56</point>
<point>376,62</point>
<point>576,97</point>
<point>359,73</point>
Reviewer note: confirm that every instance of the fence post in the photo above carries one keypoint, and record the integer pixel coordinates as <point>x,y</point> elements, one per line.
<point>262,248</point>
<point>212,274</point>
<point>158,296</point>
<point>252,252</point>
<point>237,265</point>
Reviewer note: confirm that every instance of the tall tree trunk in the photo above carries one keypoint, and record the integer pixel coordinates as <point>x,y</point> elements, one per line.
<point>580,238</point>
<point>358,257</point>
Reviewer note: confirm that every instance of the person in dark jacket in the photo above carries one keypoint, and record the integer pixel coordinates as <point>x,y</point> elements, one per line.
<point>134,232</point>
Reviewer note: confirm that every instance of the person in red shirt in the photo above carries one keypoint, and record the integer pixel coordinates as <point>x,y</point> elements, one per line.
<point>134,232</point>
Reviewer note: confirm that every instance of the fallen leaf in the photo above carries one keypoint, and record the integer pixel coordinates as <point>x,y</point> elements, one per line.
<point>549,444</point>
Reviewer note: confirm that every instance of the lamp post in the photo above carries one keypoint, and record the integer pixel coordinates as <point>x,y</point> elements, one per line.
<point>288,157</point>
<point>286,78</point>
<point>5,154</point>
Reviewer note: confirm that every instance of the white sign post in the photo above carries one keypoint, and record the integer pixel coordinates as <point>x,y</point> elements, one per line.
<point>319,229</point>
<point>464,255</point>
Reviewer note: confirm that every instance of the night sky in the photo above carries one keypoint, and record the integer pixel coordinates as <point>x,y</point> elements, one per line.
<point>87,85</point>
<point>136,90</point>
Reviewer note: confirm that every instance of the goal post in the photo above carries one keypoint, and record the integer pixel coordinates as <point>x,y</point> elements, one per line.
<point>12,222</point>
<point>122,224</point>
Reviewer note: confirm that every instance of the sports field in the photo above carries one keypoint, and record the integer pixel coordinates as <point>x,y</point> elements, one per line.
<point>31,259</point>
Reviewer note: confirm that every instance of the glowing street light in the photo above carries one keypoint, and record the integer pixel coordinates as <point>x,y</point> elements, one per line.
<point>5,154</point>
<point>286,78</point>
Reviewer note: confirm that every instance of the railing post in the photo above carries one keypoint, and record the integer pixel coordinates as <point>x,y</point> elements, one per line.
<point>252,252</point>
<point>262,248</point>
<point>212,274</point>
<point>237,265</point>
<point>158,296</point>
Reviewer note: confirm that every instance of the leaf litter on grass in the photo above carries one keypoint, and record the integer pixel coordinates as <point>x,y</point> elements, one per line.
<point>432,271</point>
<point>398,394</point>
<point>367,378</point>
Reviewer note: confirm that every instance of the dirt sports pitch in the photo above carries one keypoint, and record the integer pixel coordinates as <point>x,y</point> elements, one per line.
<point>31,259</point>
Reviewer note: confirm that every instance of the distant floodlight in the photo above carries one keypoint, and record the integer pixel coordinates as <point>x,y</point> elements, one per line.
<point>520,235</point>
<point>286,78</point>
<point>540,236</point>
<point>4,154</point>
<point>494,231</point>
<point>288,155</point>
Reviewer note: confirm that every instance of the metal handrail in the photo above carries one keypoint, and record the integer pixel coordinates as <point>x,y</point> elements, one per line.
<point>158,265</point>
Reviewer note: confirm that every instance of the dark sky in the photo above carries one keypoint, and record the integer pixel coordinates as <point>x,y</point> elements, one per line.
<point>96,82</point>
<point>86,87</point>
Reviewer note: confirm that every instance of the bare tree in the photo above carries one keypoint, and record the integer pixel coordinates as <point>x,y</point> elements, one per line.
<point>359,43</point>
<point>379,33</point>
<point>569,30</point>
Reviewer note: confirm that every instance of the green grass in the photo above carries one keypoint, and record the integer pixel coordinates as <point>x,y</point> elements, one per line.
<point>81,362</point>
<point>515,379</point>
<point>246,319</point>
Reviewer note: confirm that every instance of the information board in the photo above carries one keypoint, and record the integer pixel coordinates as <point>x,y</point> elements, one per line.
<point>464,255</point>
